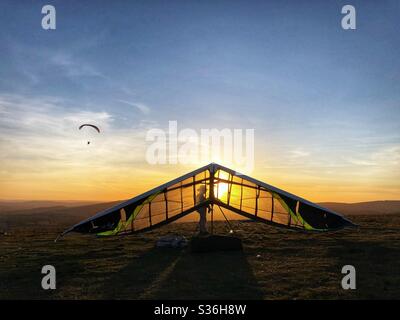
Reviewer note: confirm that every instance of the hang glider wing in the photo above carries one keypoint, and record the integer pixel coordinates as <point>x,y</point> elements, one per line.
<point>257,200</point>
<point>225,188</point>
<point>154,208</point>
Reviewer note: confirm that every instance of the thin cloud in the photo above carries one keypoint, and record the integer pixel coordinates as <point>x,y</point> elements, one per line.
<point>389,156</point>
<point>67,63</point>
<point>299,153</point>
<point>40,133</point>
<point>383,157</point>
<point>73,67</point>
<point>361,162</point>
<point>139,106</point>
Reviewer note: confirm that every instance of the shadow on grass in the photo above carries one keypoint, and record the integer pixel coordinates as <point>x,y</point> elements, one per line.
<point>377,267</point>
<point>179,274</point>
<point>135,279</point>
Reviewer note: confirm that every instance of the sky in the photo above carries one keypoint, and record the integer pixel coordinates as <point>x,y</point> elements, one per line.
<point>324,102</point>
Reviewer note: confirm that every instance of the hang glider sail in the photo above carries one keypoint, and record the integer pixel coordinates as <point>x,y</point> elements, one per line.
<point>225,188</point>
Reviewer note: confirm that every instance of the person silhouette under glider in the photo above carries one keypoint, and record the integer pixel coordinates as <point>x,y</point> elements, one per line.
<point>201,197</point>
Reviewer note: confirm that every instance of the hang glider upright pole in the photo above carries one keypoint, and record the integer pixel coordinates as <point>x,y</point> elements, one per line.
<point>212,218</point>
<point>212,197</point>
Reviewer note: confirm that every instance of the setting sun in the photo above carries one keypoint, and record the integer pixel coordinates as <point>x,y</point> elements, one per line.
<point>221,189</point>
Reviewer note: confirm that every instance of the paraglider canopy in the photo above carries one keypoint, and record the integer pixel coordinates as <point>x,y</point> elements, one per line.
<point>89,125</point>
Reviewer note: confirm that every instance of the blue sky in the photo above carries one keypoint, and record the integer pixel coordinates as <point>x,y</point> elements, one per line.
<point>318,97</point>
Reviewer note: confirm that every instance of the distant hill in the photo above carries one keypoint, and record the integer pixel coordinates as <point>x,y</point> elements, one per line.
<point>88,208</point>
<point>364,208</point>
<point>78,209</point>
<point>15,205</point>
<point>62,215</point>
<point>44,217</point>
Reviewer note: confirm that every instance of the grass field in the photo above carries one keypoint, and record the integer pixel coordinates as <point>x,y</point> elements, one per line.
<point>275,263</point>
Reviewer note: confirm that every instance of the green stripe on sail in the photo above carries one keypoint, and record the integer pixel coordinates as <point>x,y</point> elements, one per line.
<point>124,225</point>
<point>296,216</point>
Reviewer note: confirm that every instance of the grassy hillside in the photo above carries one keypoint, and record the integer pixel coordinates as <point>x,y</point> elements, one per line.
<point>275,263</point>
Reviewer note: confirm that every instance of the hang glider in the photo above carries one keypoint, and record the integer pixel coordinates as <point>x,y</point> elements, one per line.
<point>225,188</point>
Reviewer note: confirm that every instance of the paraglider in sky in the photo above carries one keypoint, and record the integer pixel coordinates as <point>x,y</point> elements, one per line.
<point>89,125</point>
